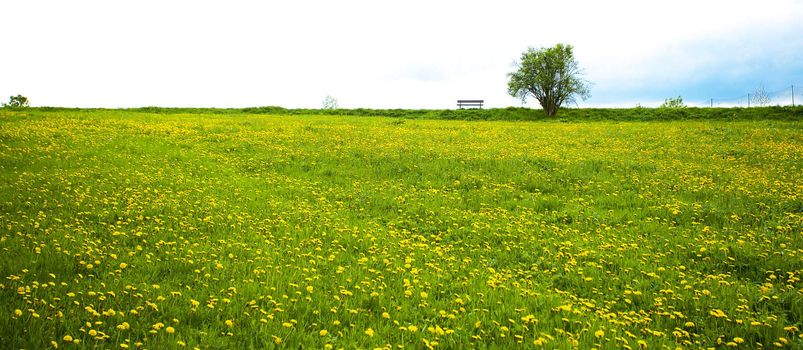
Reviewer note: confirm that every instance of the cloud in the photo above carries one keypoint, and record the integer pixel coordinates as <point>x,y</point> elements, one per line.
<point>703,67</point>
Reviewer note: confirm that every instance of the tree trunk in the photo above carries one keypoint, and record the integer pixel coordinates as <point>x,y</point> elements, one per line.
<point>550,109</point>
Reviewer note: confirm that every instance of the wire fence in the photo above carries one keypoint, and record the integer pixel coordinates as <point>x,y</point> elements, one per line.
<point>789,96</point>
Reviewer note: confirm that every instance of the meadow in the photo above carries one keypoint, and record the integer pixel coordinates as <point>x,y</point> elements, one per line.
<point>144,230</point>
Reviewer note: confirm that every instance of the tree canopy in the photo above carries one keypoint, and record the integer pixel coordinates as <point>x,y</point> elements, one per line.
<point>18,101</point>
<point>551,75</point>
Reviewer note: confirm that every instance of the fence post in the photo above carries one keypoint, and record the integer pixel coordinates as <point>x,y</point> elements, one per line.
<point>712,103</point>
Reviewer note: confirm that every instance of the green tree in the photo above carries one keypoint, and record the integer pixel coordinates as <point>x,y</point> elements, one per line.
<point>18,101</point>
<point>551,75</point>
<point>673,102</point>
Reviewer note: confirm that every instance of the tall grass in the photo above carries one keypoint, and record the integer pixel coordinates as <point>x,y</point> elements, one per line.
<point>510,113</point>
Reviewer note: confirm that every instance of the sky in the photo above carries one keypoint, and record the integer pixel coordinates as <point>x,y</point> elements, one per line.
<point>388,54</point>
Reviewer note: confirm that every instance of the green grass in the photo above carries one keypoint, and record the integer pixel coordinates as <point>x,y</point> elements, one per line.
<point>507,114</point>
<point>240,229</point>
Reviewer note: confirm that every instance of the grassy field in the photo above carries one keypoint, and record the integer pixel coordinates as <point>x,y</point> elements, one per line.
<point>123,229</point>
<point>781,113</point>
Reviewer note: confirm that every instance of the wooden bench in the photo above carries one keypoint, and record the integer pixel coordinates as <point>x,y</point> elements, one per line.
<point>470,103</point>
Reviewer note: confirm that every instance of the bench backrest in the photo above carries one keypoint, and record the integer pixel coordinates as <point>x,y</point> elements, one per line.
<point>470,103</point>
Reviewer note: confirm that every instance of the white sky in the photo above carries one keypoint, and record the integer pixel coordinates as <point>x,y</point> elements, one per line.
<point>383,54</point>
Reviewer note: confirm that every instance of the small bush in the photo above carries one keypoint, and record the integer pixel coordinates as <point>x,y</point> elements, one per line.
<point>18,101</point>
<point>673,102</point>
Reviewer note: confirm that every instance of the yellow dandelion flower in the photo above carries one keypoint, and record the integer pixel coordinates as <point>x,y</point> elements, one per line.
<point>170,330</point>
<point>230,323</point>
<point>424,295</point>
<point>385,315</point>
<point>17,313</point>
<point>123,265</point>
<point>67,339</point>
<point>689,324</point>
<point>276,340</point>
<point>369,332</point>
<point>412,328</point>
<point>323,332</point>
<point>718,313</point>
<point>93,332</point>
<point>599,334</point>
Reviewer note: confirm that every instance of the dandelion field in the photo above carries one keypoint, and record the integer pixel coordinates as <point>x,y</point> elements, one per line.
<point>136,230</point>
